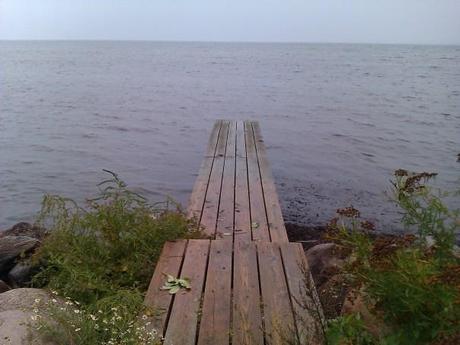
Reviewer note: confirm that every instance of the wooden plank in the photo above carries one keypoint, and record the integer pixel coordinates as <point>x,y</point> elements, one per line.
<point>197,198</point>
<point>158,300</point>
<point>182,325</point>
<point>305,301</point>
<point>277,309</point>
<point>274,215</point>
<point>242,228</point>
<point>224,228</point>
<point>211,204</point>
<point>247,316</point>
<point>259,225</point>
<point>216,311</point>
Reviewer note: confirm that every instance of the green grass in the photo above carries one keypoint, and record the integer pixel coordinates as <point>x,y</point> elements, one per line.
<point>102,256</point>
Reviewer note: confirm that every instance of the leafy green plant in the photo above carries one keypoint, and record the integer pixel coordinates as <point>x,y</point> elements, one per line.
<point>102,256</point>
<point>173,285</point>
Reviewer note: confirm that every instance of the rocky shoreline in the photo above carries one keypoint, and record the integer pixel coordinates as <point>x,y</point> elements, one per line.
<point>17,245</point>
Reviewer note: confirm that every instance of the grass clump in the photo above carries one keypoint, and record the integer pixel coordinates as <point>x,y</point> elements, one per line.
<point>102,258</point>
<point>348,330</point>
<point>409,284</point>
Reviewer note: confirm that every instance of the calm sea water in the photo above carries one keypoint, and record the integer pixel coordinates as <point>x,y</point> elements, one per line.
<point>337,119</point>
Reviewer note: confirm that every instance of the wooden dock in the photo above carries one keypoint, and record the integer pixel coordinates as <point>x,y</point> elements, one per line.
<point>249,285</point>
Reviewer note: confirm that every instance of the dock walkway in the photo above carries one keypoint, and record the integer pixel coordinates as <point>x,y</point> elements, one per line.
<point>249,285</point>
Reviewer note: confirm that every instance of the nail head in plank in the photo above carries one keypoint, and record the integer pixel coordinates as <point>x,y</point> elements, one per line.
<point>247,316</point>
<point>216,311</point>
<point>182,325</point>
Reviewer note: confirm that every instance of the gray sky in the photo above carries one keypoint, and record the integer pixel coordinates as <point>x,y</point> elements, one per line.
<point>376,21</point>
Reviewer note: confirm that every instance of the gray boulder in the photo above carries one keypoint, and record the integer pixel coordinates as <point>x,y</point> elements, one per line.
<point>22,299</point>
<point>17,317</point>
<point>12,247</point>
<point>20,274</point>
<point>325,260</point>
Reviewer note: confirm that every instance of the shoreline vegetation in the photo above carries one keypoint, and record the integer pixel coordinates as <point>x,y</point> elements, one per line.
<point>86,270</point>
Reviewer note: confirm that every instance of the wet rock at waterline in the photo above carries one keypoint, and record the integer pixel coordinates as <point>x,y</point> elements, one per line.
<point>4,286</point>
<point>12,247</point>
<point>25,229</point>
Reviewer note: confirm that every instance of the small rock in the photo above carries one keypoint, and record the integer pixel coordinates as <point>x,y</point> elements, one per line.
<point>4,286</point>
<point>325,260</point>
<point>20,274</point>
<point>13,246</point>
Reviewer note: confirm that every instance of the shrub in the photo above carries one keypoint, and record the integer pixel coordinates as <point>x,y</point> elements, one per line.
<point>103,256</point>
<point>411,283</point>
<point>348,330</point>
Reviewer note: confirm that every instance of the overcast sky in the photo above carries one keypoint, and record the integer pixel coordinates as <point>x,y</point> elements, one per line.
<point>375,21</point>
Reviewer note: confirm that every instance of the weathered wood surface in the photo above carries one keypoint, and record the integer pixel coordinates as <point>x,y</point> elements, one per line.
<point>241,294</point>
<point>170,262</point>
<point>249,285</point>
<point>234,197</point>
<point>247,311</point>
<point>216,317</point>
<point>183,319</point>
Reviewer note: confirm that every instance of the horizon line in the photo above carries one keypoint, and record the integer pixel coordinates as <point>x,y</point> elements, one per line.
<point>217,41</point>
